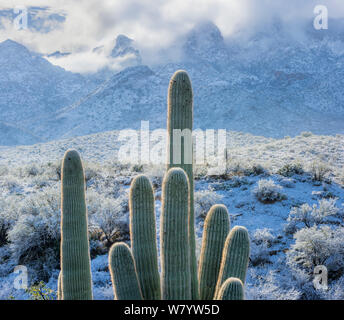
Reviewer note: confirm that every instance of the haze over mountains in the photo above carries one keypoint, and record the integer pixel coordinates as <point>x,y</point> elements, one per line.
<point>271,84</point>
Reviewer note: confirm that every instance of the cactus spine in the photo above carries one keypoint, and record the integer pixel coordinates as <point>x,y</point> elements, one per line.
<point>175,253</point>
<point>75,255</point>
<point>180,117</point>
<point>235,257</point>
<point>232,289</point>
<point>216,228</point>
<point>123,274</point>
<point>143,237</point>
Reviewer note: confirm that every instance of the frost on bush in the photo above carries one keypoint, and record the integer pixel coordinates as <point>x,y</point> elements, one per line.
<point>309,216</point>
<point>105,214</point>
<point>35,236</point>
<point>267,191</point>
<point>291,169</point>
<point>262,240</point>
<point>317,246</point>
<point>204,200</point>
<point>319,170</point>
<point>270,287</point>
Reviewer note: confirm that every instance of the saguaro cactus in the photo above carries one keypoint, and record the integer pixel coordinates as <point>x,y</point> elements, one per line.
<point>123,273</point>
<point>180,150</point>
<point>175,253</point>
<point>216,228</point>
<point>59,287</point>
<point>235,257</point>
<point>232,289</point>
<point>143,237</point>
<point>75,253</point>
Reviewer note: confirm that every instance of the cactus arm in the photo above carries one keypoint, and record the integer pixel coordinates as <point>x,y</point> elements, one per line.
<point>143,237</point>
<point>216,228</point>
<point>123,273</point>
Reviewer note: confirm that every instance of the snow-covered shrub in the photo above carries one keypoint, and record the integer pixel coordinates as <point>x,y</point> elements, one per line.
<point>262,239</point>
<point>309,216</point>
<point>267,191</point>
<point>291,169</point>
<point>243,168</point>
<point>105,214</point>
<point>270,287</point>
<point>306,134</point>
<point>35,236</point>
<point>319,170</point>
<point>204,200</point>
<point>317,246</point>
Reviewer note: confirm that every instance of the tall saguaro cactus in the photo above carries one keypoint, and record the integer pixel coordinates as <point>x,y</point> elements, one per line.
<point>123,273</point>
<point>235,257</point>
<point>216,228</point>
<point>180,151</point>
<point>175,254</point>
<point>143,237</point>
<point>75,255</point>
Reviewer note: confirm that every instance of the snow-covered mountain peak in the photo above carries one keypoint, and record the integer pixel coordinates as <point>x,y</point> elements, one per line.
<point>124,47</point>
<point>205,42</point>
<point>10,48</point>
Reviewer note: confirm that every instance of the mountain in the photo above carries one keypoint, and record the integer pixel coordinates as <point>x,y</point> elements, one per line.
<point>124,48</point>
<point>32,88</point>
<point>269,83</point>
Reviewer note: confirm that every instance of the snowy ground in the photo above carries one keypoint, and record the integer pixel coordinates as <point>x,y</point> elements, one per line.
<point>29,184</point>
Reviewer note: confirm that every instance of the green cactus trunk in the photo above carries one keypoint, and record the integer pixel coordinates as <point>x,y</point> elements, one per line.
<point>216,228</point>
<point>235,257</point>
<point>75,253</point>
<point>123,273</point>
<point>180,117</point>
<point>143,237</point>
<point>232,289</point>
<point>175,251</point>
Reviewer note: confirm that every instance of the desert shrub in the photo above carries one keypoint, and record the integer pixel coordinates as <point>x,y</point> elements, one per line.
<point>105,214</point>
<point>268,192</point>
<point>35,237</point>
<point>270,287</point>
<point>204,200</point>
<point>306,134</point>
<point>241,168</point>
<point>309,216</point>
<point>40,291</point>
<point>319,171</point>
<point>290,169</point>
<point>3,170</point>
<point>261,242</point>
<point>317,246</point>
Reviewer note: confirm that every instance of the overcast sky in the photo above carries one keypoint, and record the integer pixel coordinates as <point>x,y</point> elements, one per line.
<point>152,23</point>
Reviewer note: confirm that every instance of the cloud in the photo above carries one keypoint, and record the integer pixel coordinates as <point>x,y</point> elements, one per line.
<point>154,24</point>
